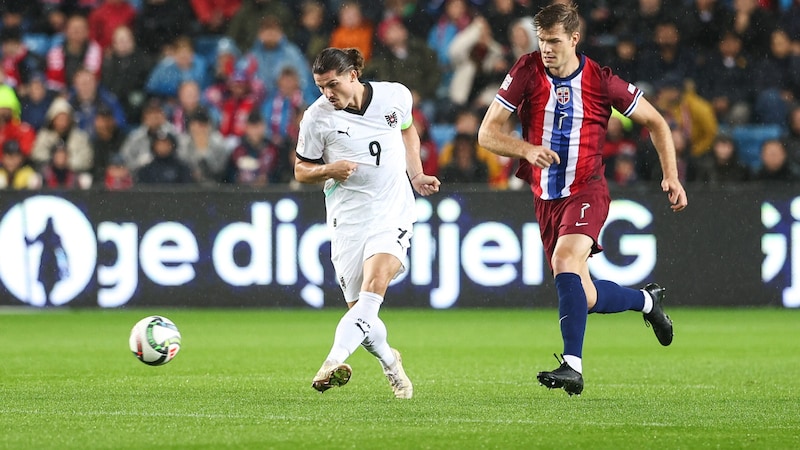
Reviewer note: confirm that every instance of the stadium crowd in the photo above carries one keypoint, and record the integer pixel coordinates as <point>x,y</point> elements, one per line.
<point>111,94</point>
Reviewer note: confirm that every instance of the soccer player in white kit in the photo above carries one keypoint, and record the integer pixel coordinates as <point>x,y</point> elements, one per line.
<point>359,139</point>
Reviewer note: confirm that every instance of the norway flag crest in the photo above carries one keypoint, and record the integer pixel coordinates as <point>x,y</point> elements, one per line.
<point>562,95</point>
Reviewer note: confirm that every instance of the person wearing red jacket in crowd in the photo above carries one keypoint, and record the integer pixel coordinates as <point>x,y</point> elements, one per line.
<point>18,62</point>
<point>428,151</point>
<point>11,127</point>
<point>76,51</point>
<point>234,100</point>
<point>214,15</point>
<point>107,18</point>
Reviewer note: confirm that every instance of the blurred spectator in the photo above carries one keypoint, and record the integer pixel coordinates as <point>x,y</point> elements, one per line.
<point>522,39</point>
<point>280,110</point>
<point>464,166</point>
<point>109,16</point>
<point>19,64</point>
<point>685,110</point>
<point>272,52</point>
<point>205,149</point>
<point>618,142</point>
<point>776,79</point>
<point>702,26</point>
<point>71,7</point>
<point>86,96</point>
<point>125,71</point>
<point>160,22</point>
<point>479,65</point>
<point>106,142</point>
<point>179,64</point>
<point>225,60</point>
<point>722,165</point>
<point>35,101</point>
<point>15,172</point>
<point>623,170</point>
<point>791,138</point>
<point>246,23</point>
<point>312,34</point>
<point>189,102</point>
<point>753,24</point>
<point>650,169</point>
<point>501,15</point>
<point>165,166</point>
<point>214,15</point>
<point>667,55</point>
<point>61,127</point>
<point>467,122</point>
<point>16,12</point>
<point>353,30</point>
<point>790,21</point>
<point>136,148</point>
<point>646,16</point>
<point>117,176</point>
<point>256,161</point>
<point>48,18</point>
<point>56,173</point>
<point>775,164</point>
<point>234,101</point>
<point>624,60</point>
<point>416,15</point>
<point>11,127</point>
<point>726,80</point>
<point>455,17</point>
<point>428,151</point>
<point>76,51</point>
<point>404,59</point>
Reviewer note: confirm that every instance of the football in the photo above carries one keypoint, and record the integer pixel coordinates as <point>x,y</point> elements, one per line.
<point>155,340</point>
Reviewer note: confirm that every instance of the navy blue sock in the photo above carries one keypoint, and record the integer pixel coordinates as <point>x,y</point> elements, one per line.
<point>572,312</point>
<point>613,298</point>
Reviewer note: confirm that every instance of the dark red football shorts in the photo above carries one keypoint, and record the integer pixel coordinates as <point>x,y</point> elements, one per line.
<point>583,212</point>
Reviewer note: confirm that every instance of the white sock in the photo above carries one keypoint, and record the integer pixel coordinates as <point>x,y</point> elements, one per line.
<point>574,362</point>
<point>377,344</point>
<point>355,326</point>
<point>648,302</point>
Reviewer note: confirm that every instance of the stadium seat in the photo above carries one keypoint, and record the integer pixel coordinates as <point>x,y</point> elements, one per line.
<point>749,139</point>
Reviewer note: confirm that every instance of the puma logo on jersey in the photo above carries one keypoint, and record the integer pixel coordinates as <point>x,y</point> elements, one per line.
<point>347,132</point>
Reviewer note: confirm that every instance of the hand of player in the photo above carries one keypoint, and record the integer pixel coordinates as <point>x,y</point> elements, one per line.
<point>542,157</point>
<point>675,194</point>
<point>341,170</point>
<point>425,185</point>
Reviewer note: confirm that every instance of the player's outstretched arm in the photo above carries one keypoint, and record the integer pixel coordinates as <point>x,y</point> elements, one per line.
<point>645,114</point>
<point>424,184</point>
<point>492,137</point>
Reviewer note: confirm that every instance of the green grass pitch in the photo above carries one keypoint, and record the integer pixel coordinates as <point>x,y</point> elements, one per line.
<point>731,379</point>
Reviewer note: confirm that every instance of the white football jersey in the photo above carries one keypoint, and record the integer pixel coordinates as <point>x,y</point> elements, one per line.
<point>378,194</point>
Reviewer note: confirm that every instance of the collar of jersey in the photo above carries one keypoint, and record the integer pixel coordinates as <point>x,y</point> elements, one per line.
<point>365,102</point>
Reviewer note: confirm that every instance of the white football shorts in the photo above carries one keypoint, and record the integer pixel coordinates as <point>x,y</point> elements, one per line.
<point>348,254</point>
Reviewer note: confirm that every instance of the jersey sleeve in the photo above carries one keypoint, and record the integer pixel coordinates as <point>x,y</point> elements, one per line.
<point>309,140</point>
<point>407,105</point>
<point>624,96</point>
<point>513,89</point>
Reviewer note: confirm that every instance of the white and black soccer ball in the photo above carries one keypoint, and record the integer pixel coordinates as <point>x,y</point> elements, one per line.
<point>155,340</point>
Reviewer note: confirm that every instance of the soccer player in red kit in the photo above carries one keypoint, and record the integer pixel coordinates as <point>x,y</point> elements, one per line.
<point>563,100</point>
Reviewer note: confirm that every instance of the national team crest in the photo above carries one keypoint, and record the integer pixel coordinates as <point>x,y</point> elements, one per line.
<point>391,119</point>
<point>562,95</point>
